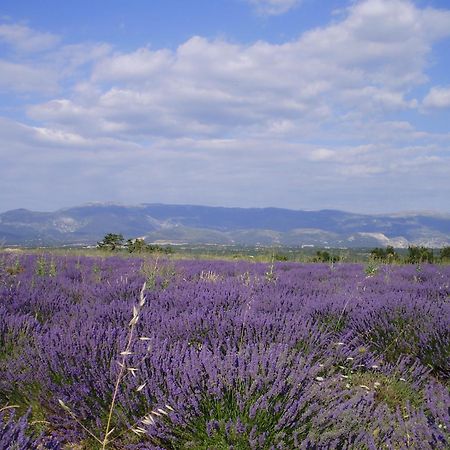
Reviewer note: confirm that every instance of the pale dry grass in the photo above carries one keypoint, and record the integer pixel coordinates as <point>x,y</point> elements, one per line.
<point>209,275</point>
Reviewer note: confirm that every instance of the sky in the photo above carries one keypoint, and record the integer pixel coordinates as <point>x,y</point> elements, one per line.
<point>299,104</point>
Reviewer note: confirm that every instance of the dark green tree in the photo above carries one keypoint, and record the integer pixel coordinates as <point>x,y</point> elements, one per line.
<point>137,245</point>
<point>111,242</point>
<point>417,255</point>
<point>444,253</point>
<point>378,253</point>
<point>324,256</point>
<point>387,254</point>
<point>159,249</point>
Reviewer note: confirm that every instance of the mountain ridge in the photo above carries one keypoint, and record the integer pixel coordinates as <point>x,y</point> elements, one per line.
<point>196,224</point>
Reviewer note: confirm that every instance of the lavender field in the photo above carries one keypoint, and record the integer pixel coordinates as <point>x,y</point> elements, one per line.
<point>222,355</point>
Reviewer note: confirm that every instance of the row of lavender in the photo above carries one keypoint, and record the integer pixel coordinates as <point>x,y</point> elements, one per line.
<point>223,355</point>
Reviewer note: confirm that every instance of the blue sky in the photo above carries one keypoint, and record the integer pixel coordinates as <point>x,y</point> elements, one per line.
<point>290,103</point>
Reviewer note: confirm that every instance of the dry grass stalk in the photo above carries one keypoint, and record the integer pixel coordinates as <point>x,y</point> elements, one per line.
<point>122,365</point>
<point>123,371</point>
<point>6,407</point>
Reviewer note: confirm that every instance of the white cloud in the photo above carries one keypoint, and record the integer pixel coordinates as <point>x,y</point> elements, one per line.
<point>437,98</point>
<point>239,124</point>
<point>39,63</point>
<point>274,7</point>
<point>26,78</point>
<point>367,64</point>
<point>388,40</point>
<point>139,65</point>
<point>69,58</point>
<point>25,39</point>
<point>322,154</point>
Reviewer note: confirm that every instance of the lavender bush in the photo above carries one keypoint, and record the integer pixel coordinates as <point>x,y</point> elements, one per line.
<point>13,434</point>
<point>225,354</point>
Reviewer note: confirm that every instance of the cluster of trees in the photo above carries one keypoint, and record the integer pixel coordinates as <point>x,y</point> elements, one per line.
<point>416,255</point>
<point>113,242</point>
<point>324,256</point>
<point>387,254</point>
<point>445,254</point>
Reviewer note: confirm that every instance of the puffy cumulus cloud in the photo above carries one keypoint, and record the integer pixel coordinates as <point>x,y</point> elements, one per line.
<point>274,7</point>
<point>25,39</point>
<point>138,66</point>
<point>367,62</point>
<point>386,40</point>
<point>437,98</point>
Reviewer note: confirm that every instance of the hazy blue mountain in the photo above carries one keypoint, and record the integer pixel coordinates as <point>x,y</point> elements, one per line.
<point>217,225</point>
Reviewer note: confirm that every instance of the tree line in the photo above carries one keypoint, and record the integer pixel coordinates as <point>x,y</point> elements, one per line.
<point>388,255</point>
<point>415,255</point>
